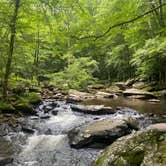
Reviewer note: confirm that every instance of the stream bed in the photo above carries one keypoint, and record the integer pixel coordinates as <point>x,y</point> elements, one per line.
<point>48,144</point>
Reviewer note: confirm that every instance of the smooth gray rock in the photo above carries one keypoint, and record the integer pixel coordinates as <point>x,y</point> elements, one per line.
<point>101,132</point>
<point>93,109</point>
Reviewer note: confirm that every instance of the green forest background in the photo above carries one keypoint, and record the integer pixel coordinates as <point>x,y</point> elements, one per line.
<point>74,43</point>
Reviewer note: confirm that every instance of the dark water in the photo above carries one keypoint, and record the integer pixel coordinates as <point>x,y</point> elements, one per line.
<point>142,106</point>
<point>48,146</point>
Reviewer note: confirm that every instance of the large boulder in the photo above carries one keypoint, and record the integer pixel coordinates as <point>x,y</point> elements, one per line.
<point>136,93</point>
<point>145,148</point>
<point>93,109</point>
<point>98,134</point>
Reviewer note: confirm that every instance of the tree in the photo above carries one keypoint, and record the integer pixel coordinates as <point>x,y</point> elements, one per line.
<point>11,47</point>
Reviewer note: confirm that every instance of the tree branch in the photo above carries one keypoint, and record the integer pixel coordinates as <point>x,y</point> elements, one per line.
<point>119,24</point>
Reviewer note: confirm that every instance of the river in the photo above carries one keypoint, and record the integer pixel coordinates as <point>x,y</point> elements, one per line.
<point>48,145</point>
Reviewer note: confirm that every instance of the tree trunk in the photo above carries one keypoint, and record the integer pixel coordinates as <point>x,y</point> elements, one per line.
<point>162,23</point>
<point>36,57</point>
<point>11,48</point>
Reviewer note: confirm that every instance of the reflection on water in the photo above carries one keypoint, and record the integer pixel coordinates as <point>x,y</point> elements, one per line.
<point>139,105</point>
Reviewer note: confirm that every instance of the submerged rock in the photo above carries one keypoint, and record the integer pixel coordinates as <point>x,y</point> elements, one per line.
<point>28,130</point>
<point>93,109</point>
<point>141,148</point>
<point>102,132</point>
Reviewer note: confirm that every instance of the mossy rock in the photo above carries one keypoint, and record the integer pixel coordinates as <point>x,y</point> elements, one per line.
<point>161,93</point>
<point>145,148</point>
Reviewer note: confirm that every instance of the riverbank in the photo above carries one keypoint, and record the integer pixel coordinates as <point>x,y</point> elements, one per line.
<point>68,119</point>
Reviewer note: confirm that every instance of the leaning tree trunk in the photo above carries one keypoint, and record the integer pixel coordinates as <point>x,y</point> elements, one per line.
<point>11,48</point>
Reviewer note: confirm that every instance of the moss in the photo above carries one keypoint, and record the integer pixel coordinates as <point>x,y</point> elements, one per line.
<point>6,107</point>
<point>32,98</point>
<point>141,148</point>
<point>101,160</point>
<point>162,149</point>
<point>132,158</point>
<point>26,101</point>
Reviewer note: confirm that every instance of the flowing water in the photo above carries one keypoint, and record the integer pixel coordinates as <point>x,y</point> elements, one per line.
<point>142,106</point>
<point>48,145</point>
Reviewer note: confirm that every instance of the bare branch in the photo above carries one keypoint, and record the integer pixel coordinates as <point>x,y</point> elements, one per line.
<point>119,24</point>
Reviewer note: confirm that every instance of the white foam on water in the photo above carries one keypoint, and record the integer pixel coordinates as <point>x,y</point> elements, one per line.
<point>64,119</point>
<point>41,143</point>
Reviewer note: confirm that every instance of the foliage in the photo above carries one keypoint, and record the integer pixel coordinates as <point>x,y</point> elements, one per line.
<point>77,75</point>
<point>151,59</point>
<point>62,40</point>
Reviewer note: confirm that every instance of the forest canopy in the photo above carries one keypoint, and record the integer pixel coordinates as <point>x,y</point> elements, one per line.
<point>74,43</point>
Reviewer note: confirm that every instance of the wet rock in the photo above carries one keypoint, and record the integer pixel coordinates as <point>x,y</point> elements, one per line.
<point>28,130</point>
<point>93,109</point>
<point>154,101</point>
<point>58,109</point>
<point>102,132</point>
<point>44,116</point>
<point>105,95</point>
<point>138,93</point>
<point>132,123</point>
<point>5,160</point>
<point>34,117</point>
<point>157,118</point>
<point>54,112</point>
<point>3,130</point>
<point>6,152</point>
<point>47,108</point>
<point>140,148</point>
<point>158,126</point>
